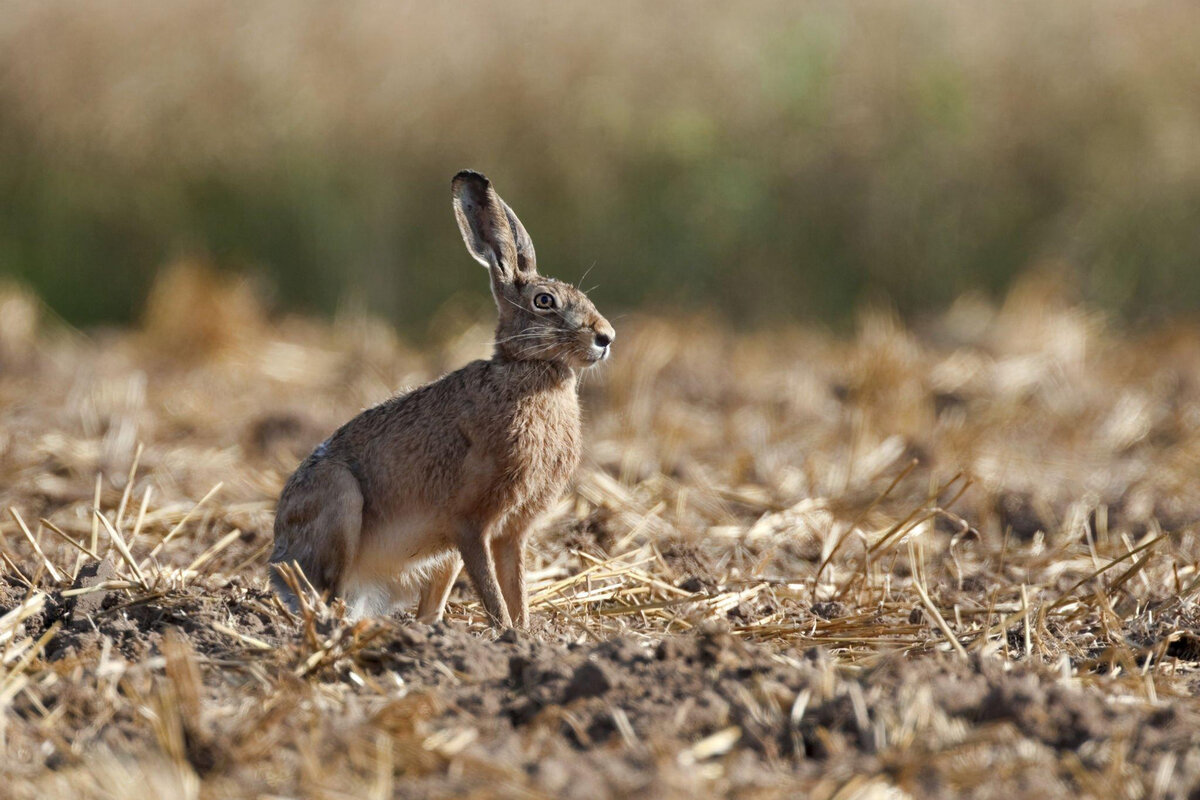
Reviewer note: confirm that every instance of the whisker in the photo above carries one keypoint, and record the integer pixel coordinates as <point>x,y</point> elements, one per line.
<point>543,348</point>
<point>535,333</point>
<point>550,344</point>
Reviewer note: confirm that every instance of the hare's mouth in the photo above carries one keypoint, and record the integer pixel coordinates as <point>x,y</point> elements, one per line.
<point>596,354</point>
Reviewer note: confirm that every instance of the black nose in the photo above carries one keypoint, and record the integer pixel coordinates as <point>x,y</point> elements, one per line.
<point>602,340</point>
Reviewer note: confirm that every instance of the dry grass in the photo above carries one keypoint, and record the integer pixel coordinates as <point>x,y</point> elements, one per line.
<point>946,561</point>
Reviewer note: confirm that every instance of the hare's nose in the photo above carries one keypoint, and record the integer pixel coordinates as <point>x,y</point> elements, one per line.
<point>603,340</point>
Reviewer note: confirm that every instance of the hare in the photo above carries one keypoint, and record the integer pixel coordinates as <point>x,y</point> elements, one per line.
<point>461,467</point>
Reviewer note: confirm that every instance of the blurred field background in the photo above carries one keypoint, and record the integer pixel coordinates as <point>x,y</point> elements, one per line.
<point>774,160</point>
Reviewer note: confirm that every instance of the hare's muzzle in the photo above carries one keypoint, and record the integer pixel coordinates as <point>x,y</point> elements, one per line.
<point>602,338</point>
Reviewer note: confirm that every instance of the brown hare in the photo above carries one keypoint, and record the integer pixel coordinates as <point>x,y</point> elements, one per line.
<point>461,467</point>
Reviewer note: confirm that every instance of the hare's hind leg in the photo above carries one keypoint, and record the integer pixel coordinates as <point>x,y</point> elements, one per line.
<point>436,591</point>
<point>282,589</point>
<point>317,528</point>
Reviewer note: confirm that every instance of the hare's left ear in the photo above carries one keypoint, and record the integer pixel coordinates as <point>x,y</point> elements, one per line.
<point>490,229</point>
<point>526,257</point>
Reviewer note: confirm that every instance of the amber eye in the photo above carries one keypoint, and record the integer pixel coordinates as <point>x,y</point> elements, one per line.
<point>543,300</point>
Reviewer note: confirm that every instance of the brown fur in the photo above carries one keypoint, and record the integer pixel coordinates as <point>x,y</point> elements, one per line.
<point>461,467</point>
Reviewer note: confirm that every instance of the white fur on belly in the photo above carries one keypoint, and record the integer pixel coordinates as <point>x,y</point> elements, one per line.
<point>392,566</point>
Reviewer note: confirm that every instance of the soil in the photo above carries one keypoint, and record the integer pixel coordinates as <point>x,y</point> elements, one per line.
<point>631,713</point>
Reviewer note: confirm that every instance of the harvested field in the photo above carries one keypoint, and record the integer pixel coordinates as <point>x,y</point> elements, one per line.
<point>958,559</point>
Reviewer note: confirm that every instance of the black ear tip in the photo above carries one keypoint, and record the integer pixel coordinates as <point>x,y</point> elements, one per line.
<point>470,176</point>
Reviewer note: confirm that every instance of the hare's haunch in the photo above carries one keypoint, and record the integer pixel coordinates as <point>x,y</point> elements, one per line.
<point>460,467</point>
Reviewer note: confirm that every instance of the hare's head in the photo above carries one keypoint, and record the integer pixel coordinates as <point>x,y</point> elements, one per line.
<point>541,319</point>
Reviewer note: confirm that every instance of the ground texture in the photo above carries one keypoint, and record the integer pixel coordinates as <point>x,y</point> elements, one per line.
<point>954,560</point>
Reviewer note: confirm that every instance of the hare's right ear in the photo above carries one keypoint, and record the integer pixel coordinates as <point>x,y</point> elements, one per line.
<point>484,224</point>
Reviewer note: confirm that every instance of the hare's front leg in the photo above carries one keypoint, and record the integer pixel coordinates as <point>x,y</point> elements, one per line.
<point>477,558</point>
<point>508,552</point>
<point>436,591</point>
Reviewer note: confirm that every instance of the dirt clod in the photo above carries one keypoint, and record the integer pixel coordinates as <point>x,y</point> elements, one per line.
<point>90,576</point>
<point>589,680</point>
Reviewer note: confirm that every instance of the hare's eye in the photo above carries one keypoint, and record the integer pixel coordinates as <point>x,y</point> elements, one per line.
<point>543,300</point>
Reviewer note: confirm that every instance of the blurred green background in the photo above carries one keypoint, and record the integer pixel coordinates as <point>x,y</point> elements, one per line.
<point>775,161</point>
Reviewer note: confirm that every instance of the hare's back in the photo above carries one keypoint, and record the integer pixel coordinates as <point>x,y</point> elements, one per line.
<point>411,447</point>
